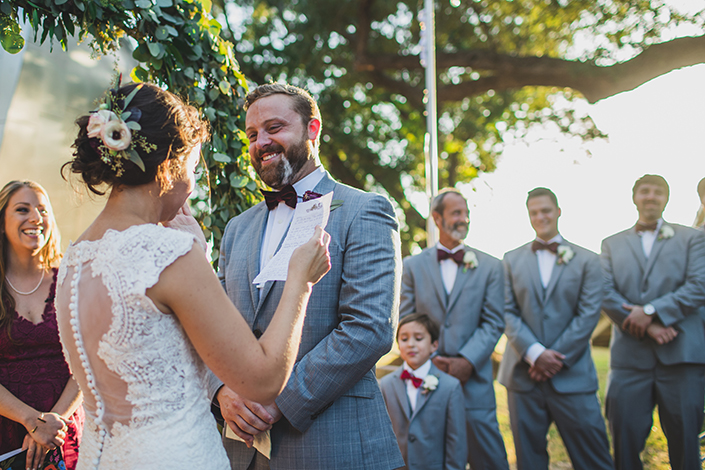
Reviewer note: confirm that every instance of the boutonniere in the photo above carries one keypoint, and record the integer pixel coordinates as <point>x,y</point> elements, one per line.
<point>430,383</point>
<point>469,261</point>
<point>666,232</point>
<point>565,253</point>
<point>334,204</point>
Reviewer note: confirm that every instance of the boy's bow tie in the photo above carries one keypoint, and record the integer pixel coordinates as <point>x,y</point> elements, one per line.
<point>405,375</point>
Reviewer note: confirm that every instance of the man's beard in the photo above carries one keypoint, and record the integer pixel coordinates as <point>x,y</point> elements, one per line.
<point>458,231</point>
<point>293,159</point>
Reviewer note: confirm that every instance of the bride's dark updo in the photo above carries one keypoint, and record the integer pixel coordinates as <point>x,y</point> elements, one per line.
<point>155,124</point>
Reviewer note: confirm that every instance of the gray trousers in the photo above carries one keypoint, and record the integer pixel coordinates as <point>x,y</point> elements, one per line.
<point>485,444</point>
<point>579,421</point>
<point>244,458</point>
<point>679,392</point>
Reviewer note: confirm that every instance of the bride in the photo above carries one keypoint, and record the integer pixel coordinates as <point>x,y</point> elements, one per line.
<point>141,313</point>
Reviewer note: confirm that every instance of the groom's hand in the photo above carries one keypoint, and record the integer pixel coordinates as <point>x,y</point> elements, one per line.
<point>246,418</point>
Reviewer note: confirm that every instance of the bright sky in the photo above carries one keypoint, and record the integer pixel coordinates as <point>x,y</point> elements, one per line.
<point>657,128</point>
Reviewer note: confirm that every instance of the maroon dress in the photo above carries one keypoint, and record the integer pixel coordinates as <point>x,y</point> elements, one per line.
<point>34,370</point>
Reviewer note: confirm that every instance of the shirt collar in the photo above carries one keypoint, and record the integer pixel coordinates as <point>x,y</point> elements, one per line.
<point>421,372</point>
<point>557,239</point>
<point>441,246</point>
<point>308,182</point>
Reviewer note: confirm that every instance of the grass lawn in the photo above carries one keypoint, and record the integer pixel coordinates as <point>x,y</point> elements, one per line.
<point>655,456</point>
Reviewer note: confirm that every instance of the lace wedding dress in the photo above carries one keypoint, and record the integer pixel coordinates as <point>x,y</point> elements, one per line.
<point>143,382</point>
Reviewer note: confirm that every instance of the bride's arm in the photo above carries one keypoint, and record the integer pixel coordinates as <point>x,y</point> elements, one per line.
<point>190,289</point>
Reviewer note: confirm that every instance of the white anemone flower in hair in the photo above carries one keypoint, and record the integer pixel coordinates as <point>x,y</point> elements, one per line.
<point>116,135</point>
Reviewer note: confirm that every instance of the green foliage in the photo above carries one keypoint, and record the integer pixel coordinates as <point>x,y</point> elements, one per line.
<point>177,45</point>
<point>361,59</point>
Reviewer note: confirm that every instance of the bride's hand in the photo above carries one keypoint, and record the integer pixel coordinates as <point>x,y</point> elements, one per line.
<point>311,261</point>
<point>184,221</point>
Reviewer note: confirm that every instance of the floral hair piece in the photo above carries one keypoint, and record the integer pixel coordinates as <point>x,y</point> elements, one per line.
<point>116,126</point>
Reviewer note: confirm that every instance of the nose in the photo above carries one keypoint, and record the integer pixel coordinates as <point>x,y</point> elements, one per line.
<point>35,215</point>
<point>263,141</point>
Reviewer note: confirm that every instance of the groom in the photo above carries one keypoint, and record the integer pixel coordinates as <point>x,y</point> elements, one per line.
<point>331,414</point>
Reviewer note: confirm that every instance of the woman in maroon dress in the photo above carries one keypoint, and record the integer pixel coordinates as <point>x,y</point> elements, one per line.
<point>39,400</point>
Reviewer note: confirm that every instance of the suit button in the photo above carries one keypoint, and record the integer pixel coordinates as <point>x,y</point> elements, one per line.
<point>412,438</point>
<point>257,332</point>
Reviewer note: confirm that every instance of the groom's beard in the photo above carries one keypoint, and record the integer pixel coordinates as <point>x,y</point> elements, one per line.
<point>458,230</point>
<point>293,159</point>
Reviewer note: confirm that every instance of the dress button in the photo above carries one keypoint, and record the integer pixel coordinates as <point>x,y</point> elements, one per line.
<point>257,332</point>
<point>412,438</point>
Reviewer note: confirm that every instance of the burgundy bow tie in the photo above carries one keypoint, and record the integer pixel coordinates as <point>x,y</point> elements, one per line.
<point>537,245</point>
<point>457,256</point>
<point>641,227</point>
<point>287,195</point>
<point>416,381</point>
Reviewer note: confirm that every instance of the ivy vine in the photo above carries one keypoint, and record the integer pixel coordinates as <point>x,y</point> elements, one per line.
<point>178,46</point>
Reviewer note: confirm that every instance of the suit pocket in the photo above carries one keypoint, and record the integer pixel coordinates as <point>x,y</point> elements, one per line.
<point>365,388</point>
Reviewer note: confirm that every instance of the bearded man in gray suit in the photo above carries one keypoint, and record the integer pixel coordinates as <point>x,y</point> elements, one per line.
<point>553,295</point>
<point>654,275</point>
<point>331,414</point>
<point>462,289</point>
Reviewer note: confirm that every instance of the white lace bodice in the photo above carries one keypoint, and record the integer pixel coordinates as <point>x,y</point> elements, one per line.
<point>142,380</point>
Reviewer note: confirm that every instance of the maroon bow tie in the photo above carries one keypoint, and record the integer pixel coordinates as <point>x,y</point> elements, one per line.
<point>416,381</point>
<point>457,256</point>
<point>287,195</point>
<point>641,227</point>
<point>537,245</point>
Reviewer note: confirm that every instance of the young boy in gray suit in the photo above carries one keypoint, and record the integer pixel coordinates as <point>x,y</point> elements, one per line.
<point>425,404</point>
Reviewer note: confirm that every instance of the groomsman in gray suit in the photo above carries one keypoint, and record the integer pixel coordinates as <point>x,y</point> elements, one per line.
<point>553,294</point>
<point>331,414</point>
<point>654,275</point>
<point>462,288</point>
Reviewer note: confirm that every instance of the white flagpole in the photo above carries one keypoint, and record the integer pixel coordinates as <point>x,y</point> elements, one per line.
<point>431,137</point>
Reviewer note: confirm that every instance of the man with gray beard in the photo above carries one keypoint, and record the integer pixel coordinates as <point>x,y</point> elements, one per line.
<point>463,289</point>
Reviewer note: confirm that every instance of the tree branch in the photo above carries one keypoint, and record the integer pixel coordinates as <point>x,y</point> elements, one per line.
<point>593,81</point>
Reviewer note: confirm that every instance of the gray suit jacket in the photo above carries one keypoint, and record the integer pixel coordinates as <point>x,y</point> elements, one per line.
<point>334,413</point>
<point>470,316</point>
<point>433,437</point>
<point>561,317</point>
<point>672,279</point>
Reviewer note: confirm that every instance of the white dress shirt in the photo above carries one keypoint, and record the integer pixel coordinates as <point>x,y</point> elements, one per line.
<point>546,260</point>
<point>449,268</point>
<point>648,238</point>
<point>280,218</point>
<point>411,391</point>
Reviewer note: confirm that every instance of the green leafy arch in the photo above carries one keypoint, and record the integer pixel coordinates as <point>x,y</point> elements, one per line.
<point>179,47</point>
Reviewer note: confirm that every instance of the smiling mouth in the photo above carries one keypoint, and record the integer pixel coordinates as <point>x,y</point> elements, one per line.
<point>270,156</point>
<point>33,231</point>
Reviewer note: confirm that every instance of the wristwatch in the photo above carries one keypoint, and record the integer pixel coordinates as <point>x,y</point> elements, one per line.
<point>649,309</point>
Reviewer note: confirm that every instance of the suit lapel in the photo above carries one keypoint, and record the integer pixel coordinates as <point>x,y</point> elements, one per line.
<point>434,273</point>
<point>555,276</point>
<point>461,279</point>
<point>655,250</point>
<point>634,242</point>
<point>424,397</point>
<point>255,249</point>
<point>399,387</point>
<point>532,262</point>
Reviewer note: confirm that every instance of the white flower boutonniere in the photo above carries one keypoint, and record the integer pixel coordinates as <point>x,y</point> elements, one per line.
<point>430,383</point>
<point>666,232</point>
<point>469,260</point>
<point>565,254</point>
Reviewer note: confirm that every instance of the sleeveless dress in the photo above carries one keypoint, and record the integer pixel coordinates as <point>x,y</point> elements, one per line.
<point>34,370</point>
<point>144,384</point>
